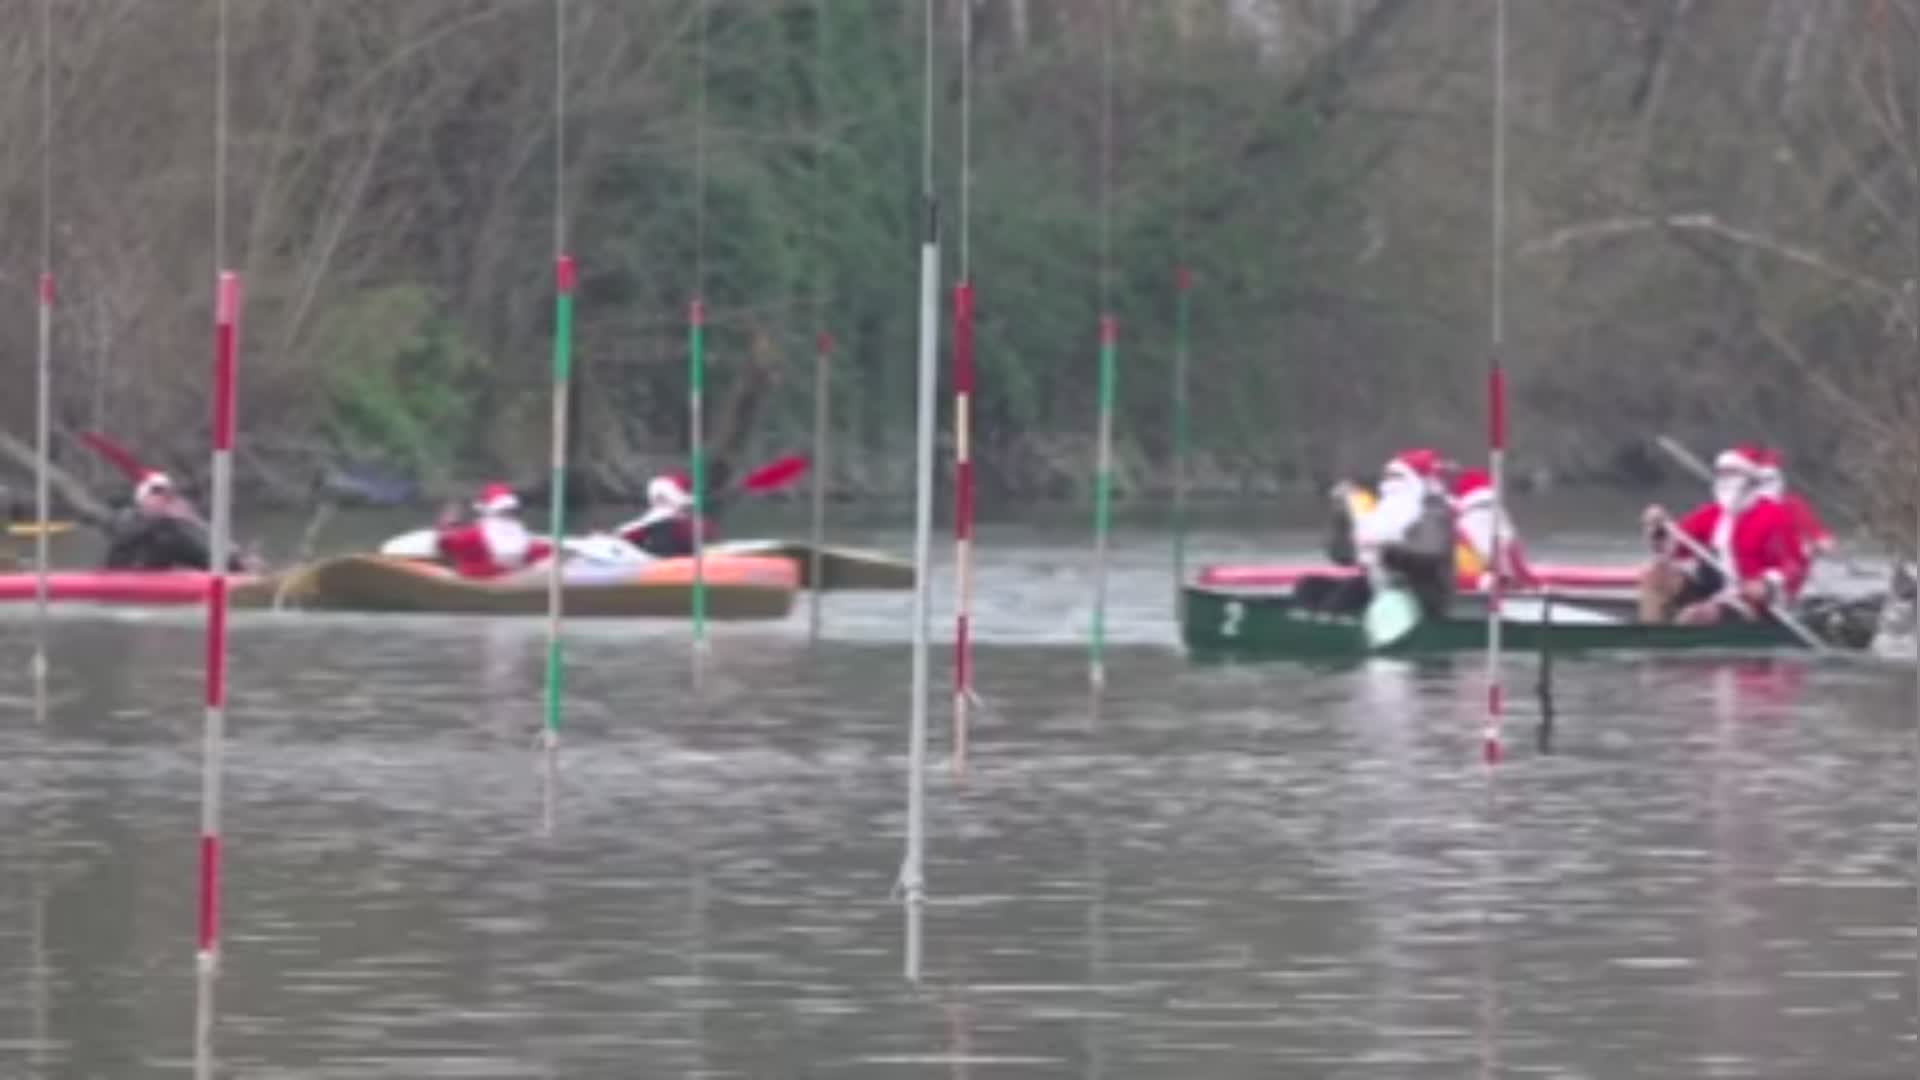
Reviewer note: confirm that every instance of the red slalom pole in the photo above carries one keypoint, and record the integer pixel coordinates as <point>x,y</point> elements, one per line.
<point>962,518</point>
<point>225,338</point>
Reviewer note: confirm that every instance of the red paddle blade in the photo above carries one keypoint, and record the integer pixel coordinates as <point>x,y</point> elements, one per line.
<point>119,456</point>
<point>776,474</point>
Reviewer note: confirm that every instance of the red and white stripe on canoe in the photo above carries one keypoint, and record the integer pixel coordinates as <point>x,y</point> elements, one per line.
<point>1286,575</point>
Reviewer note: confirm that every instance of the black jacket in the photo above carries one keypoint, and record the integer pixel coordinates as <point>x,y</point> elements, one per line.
<point>139,541</point>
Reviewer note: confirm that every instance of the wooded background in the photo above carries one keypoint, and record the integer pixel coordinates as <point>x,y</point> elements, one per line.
<point>1712,233</point>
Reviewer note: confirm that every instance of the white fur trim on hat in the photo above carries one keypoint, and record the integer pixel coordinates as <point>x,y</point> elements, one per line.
<point>154,483</point>
<point>1735,461</point>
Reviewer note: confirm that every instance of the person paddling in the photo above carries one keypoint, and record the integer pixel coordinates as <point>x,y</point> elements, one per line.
<point>1814,534</point>
<point>1750,535</point>
<point>1402,537</point>
<point>1474,516</point>
<point>666,530</point>
<point>495,542</point>
<point>160,531</point>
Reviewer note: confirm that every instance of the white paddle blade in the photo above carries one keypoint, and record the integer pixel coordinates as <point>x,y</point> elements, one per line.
<point>418,544</point>
<point>1391,615</point>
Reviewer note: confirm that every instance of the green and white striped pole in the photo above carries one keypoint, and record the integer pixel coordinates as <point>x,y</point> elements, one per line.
<point>697,365</point>
<point>1103,498</point>
<point>563,280</point>
<point>696,392</point>
<point>557,495</point>
<point>1109,333</point>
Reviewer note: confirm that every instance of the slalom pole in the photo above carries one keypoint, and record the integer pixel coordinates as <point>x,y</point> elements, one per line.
<point>1497,392</point>
<point>963,421</point>
<point>697,368</point>
<point>1109,335</point>
<point>1182,323</point>
<point>226,333</point>
<point>817,532</point>
<point>564,280</point>
<point>822,340</point>
<point>913,870</point>
<point>1182,436</point>
<point>226,320</point>
<point>43,408</point>
<point>696,378</point>
<point>962,517</point>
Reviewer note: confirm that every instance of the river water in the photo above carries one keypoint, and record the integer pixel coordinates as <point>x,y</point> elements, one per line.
<point>1264,871</point>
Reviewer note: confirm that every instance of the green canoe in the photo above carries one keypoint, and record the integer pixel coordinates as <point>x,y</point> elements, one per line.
<point>1268,624</point>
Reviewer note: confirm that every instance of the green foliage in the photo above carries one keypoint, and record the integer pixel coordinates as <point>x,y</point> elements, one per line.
<point>399,378</point>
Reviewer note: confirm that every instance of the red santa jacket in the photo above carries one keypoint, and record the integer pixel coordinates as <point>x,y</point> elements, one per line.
<point>477,552</point>
<point>1806,522</point>
<point>1764,544</point>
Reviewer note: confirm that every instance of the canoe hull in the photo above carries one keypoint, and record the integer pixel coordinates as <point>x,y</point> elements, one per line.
<point>1246,624</point>
<point>736,588</point>
<point>841,568</point>
<point>1286,575</point>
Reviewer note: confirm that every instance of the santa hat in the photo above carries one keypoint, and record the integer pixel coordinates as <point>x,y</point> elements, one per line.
<point>1743,459</point>
<point>152,483</point>
<point>668,489</point>
<point>497,499</point>
<point>1472,488</point>
<point>1416,464</point>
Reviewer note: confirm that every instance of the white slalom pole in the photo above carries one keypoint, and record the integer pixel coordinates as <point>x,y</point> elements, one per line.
<point>43,424</point>
<point>913,871</point>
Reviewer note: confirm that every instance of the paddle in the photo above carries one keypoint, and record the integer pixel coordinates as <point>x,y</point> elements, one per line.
<point>132,468</point>
<point>779,473</point>
<point>1392,614</point>
<point>775,474</point>
<point>32,528</point>
<point>118,456</point>
<point>1780,612</point>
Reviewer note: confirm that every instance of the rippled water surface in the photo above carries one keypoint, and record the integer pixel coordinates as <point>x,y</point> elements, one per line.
<point>1235,872</point>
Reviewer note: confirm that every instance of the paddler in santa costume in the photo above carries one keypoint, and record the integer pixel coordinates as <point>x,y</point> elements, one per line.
<point>665,531</point>
<point>1747,533</point>
<point>1814,534</point>
<point>495,542</point>
<point>1474,515</point>
<point>1404,536</point>
<point>160,531</point>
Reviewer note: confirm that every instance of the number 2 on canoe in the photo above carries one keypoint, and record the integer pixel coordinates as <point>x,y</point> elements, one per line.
<point>1232,615</point>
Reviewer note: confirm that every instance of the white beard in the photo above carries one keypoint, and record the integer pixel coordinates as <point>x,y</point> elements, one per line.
<point>507,541</point>
<point>1393,515</point>
<point>1732,493</point>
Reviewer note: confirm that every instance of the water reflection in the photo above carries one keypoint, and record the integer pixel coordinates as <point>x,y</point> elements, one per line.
<point>1250,871</point>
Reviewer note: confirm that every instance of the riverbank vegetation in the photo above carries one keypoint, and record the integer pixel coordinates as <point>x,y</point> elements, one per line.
<point>1712,205</point>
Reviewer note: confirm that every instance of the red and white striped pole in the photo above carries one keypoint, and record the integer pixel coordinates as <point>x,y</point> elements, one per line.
<point>1497,392</point>
<point>962,518</point>
<point>225,343</point>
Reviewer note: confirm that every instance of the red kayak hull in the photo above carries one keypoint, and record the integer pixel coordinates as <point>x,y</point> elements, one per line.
<point>133,587</point>
<point>1286,575</point>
